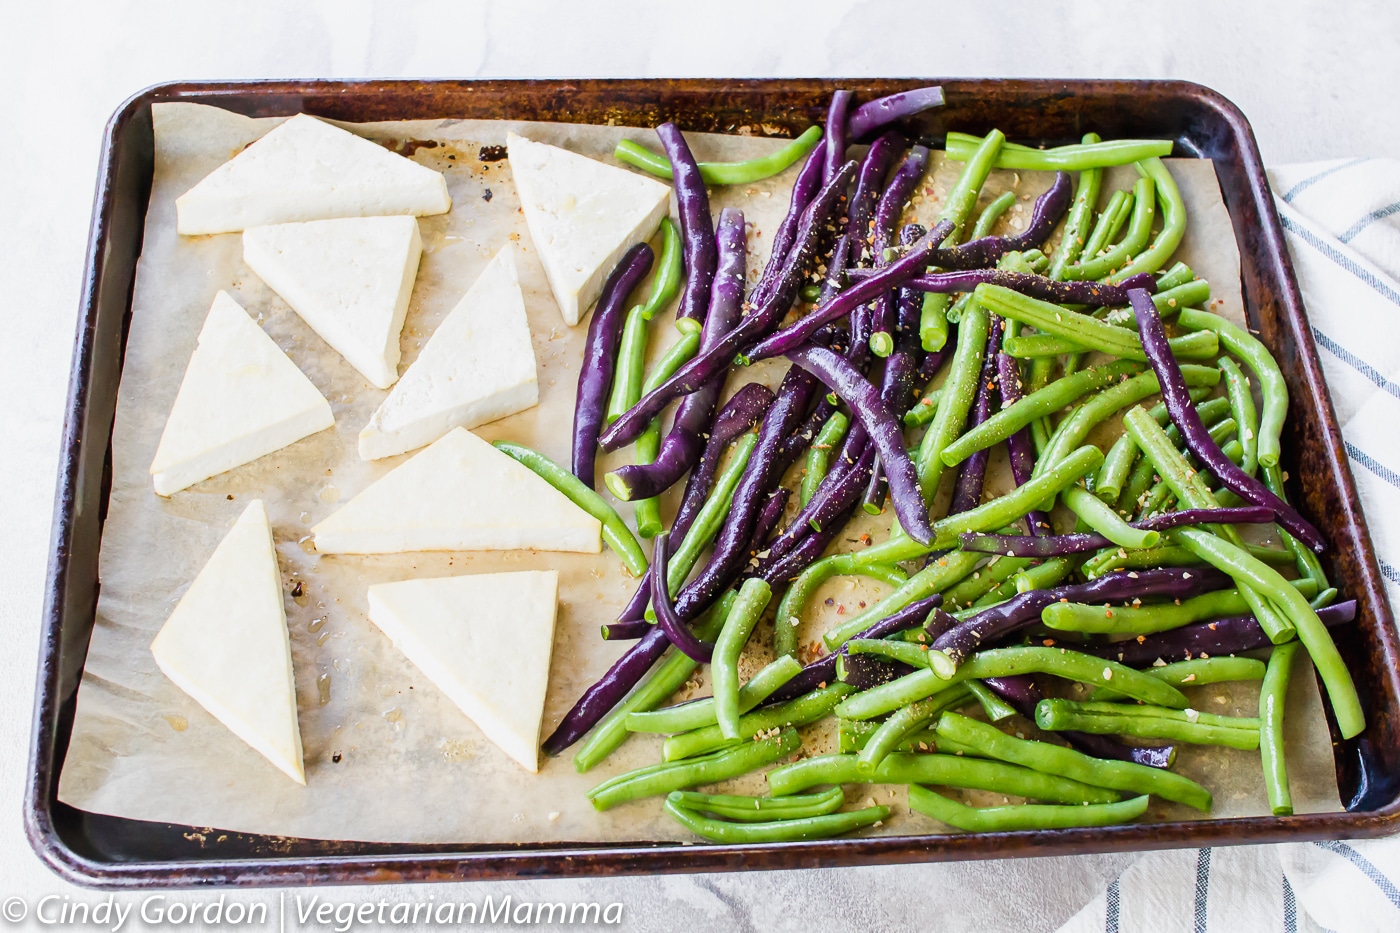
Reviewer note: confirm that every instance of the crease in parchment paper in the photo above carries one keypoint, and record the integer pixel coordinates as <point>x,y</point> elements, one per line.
<point>388,759</point>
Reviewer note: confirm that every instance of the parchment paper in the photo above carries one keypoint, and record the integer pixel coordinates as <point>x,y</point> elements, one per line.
<point>388,759</point>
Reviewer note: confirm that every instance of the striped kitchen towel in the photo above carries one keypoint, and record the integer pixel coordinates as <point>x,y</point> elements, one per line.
<point>1342,223</point>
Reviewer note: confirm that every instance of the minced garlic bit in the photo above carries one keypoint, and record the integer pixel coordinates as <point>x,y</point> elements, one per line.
<point>1188,678</point>
<point>1191,715</point>
<point>1159,663</point>
<point>1108,673</point>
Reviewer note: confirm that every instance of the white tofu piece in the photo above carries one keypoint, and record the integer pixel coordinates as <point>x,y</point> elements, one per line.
<point>477,367</point>
<point>583,215</point>
<point>306,169</point>
<point>241,399</point>
<point>350,279</point>
<point>226,645</point>
<point>484,641</point>
<point>459,494</point>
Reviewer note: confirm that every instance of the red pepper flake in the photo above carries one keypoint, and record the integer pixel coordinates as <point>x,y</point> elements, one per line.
<point>865,539</point>
<point>841,610</point>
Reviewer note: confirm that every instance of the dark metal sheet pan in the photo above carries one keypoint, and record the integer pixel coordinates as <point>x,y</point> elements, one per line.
<point>112,852</point>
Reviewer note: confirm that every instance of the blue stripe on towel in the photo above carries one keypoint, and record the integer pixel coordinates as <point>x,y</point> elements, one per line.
<point>1378,878</point>
<point>1311,180</point>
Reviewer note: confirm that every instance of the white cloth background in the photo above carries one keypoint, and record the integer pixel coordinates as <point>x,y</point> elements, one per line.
<point>1316,80</point>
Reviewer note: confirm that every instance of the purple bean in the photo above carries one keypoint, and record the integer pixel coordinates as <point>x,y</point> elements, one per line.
<point>836,133</point>
<point>743,410</point>
<point>883,111</point>
<point>632,629</point>
<point>883,312</point>
<point>885,434</point>
<point>824,670</point>
<point>697,229</point>
<point>820,214</point>
<point>1023,693</point>
<point>868,671</point>
<point>1198,439</point>
<point>838,491</point>
<point>996,622</point>
<point>1060,545</point>
<point>675,628</point>
<point>906,268</point>
<point>600,358</point>
<point>1230,635</point>
<point>785,569</point>
<point>809,180</point>
<point>759,477</point>
<point>598,700</point>
<point>1090,294</point>
<point>972,473</point>
<point>685,441</point>
<point>855,245</point>
<point>933,362</point>
<point>768,518</point>
<point>1019,448</point>
<point>1049,208</point>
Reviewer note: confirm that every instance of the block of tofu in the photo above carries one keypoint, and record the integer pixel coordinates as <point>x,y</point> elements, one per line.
<point>306,169</point>
<point>583,215</point>
<point>226,645</point>
<point>350,279</point>
<point>241,399</point>
<point>477,367</point>
<point>458,494</point>
<point>484,641</point>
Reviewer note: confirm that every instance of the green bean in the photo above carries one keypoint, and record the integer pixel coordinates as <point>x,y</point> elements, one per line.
<point>1326,598</point>
<point>1074,429</point>
<point>1098,265</point>
<point>1060,715</point>
<point>915,655</point>
<point>655,780</point>
<point>924,409</point>
<point>699,713</point>
<point>1105,521</point>
<point>854,734</point>
<point>724,667</point>
<point>894,730</point>
<point>1173,222</point>
<point>1272,694</point>
<point>785,830</point>
<point>997,512</point>
<point>1038,404</point>
<point>807,708</point>
<point>1115,214</point>
<point>1172,300</point>
<point>790,609</point>
<point>935,578</point>
<point>959,390</point>
<point>1004,590</point>
<point>820,453</point>
<point>1197,345</point>
<point>631,362</point>
<point>1140,711</point>
<point>944,770</point>
<point>645,448</point>
<point>1273,390</point>
<point>615,531</point>
<point>661,683</point>
<point>991,214</point>
<point>760,809</point>
<point>933,321</point>
<point>1242,404</point>
<point>1142,620</point>
<point>993,707</point>
<point>711,515</point>
<point>1066,762</point>
<point>1178,274</point>
<point>1083,329</point>
<point>1246,568</point>
<point>1018,817</point>
<point>1117,465</point>
<point>1044,576</point>
<point>1169,555</point>
<point>1075,158</point>
<point>670,268</point>
<point>1081,212</point>
<point>981,582</point>
<point>724,173</point>
<point>1140,478</point>
<point>1071,665</point>
<point>1196,673</point>
<point>1308,564</point>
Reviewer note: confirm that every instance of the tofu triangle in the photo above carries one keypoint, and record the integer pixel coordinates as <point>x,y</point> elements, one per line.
<point>241,398</point>
<point>226,644</point>
<point>485,642</point>
<point>583,215</point>
<point>458,494</point>
<point>307,169</point>
<point>478,366</point>
<point>349,279</point>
